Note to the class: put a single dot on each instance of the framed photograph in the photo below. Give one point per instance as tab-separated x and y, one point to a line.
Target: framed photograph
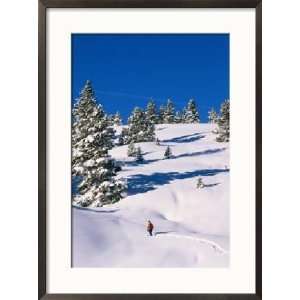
150	149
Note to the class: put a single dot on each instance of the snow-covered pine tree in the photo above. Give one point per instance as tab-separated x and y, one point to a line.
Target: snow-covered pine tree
183	113
224	122
117	120
139	155
131	150
169	113
149	132
191	114
123	137
151	113
92	167
168	153
110	119
200	183
161	114
90	121
212	116
178	117
135	125
215	130
139	128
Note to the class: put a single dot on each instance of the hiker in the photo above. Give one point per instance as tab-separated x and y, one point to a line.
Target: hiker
149	227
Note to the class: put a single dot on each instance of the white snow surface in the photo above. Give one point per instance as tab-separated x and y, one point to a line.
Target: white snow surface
191	226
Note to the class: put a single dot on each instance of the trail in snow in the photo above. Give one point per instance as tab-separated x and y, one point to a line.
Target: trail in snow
214	245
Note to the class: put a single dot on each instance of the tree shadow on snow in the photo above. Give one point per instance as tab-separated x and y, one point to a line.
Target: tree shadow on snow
145	162
161	128
141	183
148	152
198	153
211	184
163	232
205	152
101	210
185	138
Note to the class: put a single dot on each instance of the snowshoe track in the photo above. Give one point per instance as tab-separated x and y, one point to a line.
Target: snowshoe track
214	245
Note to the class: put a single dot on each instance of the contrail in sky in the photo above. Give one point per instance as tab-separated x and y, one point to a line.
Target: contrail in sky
161	100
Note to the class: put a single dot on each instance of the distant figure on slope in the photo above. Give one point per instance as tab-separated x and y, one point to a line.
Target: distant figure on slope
150	227
200	183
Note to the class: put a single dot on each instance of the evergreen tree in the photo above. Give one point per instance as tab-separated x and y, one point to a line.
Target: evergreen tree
149	132
131	151
151	113
168	153
168	114
215	130
117	119
135	125
191	114
200	183
212	116
224	122
123	137
139	155
110	119
178	117
161	114
139	128
92	167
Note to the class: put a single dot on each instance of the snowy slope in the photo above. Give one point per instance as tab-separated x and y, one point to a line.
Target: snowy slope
191	225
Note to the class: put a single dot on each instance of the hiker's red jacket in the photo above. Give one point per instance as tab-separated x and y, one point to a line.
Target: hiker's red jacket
150	226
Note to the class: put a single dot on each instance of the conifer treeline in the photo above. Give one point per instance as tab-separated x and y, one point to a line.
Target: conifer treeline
166	114
141	123
222	120
93	135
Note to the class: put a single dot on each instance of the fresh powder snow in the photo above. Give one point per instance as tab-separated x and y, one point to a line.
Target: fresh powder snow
191	225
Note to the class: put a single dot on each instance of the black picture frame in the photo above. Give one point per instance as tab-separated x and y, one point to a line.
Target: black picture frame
42	218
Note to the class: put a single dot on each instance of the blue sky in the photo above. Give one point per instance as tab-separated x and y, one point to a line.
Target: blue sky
127	70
